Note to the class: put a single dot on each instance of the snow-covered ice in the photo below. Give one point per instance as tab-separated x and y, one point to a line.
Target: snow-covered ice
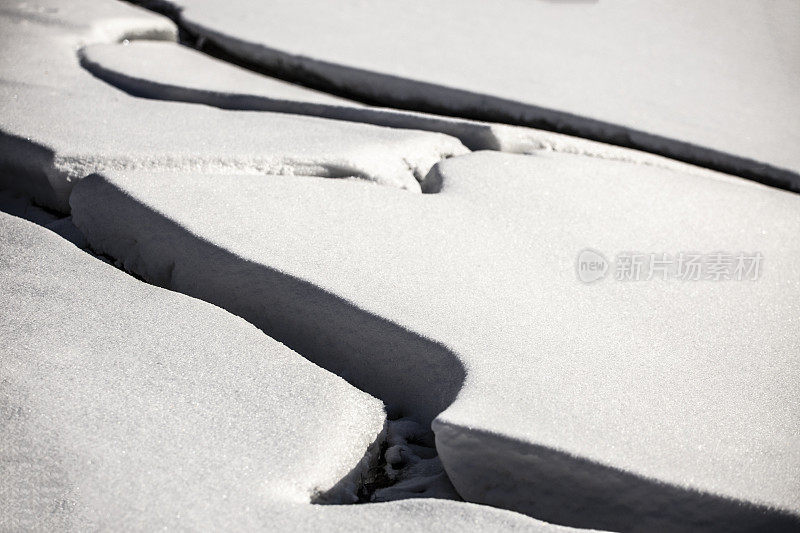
607	405
705	82
58	123
126	406
393	347
121	397
168	71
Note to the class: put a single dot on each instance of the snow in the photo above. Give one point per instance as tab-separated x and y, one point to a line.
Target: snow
412	464
168	71
146	399
654	404
680	80
284	345
173	69
55	125
125	404
22	206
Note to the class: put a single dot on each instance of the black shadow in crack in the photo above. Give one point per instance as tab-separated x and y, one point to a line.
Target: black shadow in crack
474	135
573	491
375	88
24	167
415	376
477	111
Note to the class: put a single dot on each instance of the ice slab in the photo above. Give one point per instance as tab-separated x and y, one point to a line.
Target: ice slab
127	401
125	405
169	71
655	405
58	123
674	79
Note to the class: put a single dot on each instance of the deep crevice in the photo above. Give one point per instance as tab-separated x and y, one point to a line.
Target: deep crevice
369	475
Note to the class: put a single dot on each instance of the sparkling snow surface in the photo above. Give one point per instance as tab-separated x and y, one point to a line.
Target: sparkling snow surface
707	82
121	397
128	406
308	332
168	71
58	123
575	395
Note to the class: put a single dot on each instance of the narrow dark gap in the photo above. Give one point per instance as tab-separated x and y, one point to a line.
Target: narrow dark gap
202	44
287	68
404	435
547	120
376	479
27	208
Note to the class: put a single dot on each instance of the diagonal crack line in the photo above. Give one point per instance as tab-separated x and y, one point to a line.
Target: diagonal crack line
358	84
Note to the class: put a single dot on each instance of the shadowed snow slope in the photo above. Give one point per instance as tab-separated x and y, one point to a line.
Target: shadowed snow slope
657	405
125	406
171	71
704	82
126	397
58	123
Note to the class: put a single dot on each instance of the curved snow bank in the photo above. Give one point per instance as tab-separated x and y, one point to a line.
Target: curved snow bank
185	75
45	154
690	385
679	81
413	375
182	74
59	124
128	406
169	71
123	400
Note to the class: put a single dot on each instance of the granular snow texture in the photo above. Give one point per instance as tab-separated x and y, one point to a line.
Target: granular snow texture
608	405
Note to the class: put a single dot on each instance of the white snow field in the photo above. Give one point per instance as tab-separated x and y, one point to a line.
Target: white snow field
171	71
293	329
129	407
59	123
713	83
639	406
165	70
